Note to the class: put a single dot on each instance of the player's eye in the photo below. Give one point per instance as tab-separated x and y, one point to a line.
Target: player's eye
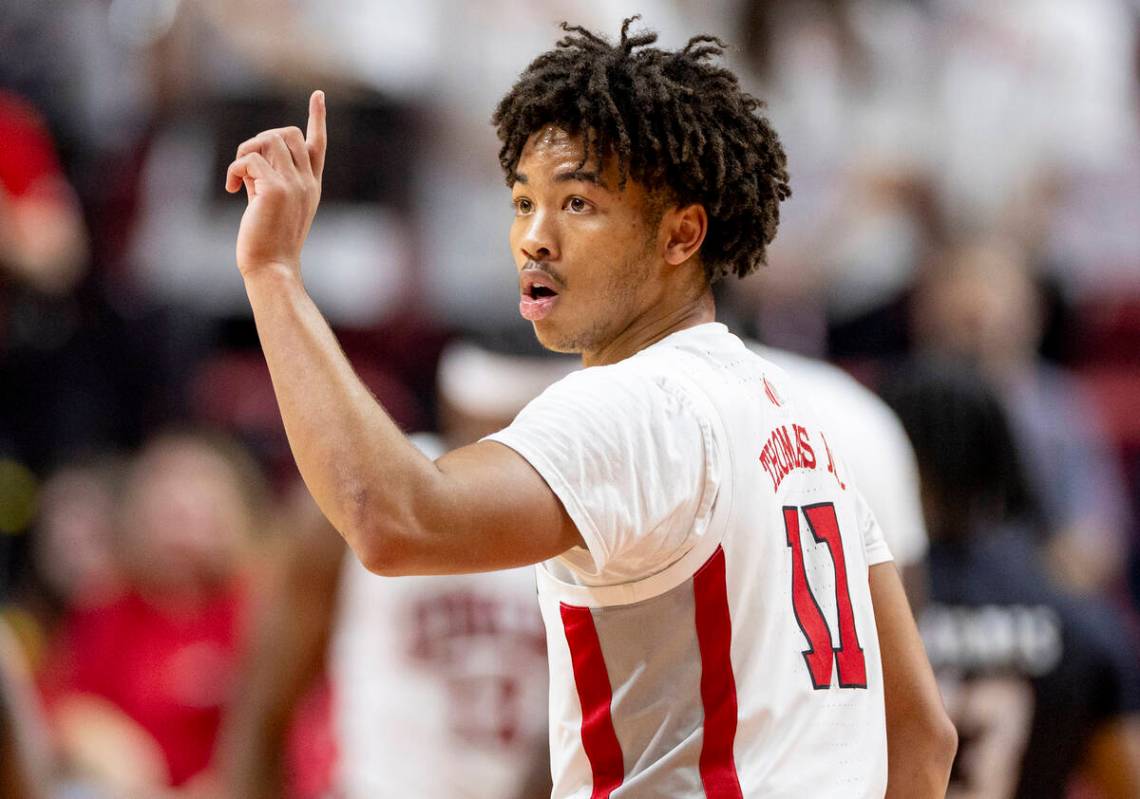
522	205
577	205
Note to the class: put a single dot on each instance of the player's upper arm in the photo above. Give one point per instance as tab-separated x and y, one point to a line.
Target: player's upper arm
482	507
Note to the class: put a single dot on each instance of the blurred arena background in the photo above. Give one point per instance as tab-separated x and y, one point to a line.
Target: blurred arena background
966	186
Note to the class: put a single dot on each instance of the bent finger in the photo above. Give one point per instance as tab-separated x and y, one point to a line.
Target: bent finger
295	141
258	143
251	165
316	136
276	151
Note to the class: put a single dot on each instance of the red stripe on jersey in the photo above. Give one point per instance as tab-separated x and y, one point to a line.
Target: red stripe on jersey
595	694
718	686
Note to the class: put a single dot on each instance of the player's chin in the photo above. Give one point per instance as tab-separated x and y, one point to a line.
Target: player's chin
551	336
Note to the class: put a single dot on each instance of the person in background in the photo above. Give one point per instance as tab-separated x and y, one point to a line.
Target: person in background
978	303
75	536
43	257
1043	686
438	683
136	687
74	565
43	242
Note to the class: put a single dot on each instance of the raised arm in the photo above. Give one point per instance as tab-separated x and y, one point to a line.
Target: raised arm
481	507
921	740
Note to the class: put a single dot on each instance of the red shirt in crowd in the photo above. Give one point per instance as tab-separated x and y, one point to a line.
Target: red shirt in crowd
169	671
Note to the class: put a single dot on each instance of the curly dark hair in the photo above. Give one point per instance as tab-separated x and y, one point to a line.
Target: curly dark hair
674	120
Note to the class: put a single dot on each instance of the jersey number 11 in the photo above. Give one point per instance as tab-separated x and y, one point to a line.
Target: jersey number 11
821	652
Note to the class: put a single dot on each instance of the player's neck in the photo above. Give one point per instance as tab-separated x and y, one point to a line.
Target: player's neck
652	326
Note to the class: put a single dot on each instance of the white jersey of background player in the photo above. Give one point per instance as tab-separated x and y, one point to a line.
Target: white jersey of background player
719	619
439	683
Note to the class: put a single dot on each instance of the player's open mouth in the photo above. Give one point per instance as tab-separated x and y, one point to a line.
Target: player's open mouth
538	295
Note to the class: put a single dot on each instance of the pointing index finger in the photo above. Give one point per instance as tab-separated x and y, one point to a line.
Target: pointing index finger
316	136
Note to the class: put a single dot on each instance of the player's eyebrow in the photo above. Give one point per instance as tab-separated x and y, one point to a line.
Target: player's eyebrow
583	175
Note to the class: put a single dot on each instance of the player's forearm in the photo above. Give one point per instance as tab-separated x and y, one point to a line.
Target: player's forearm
360	468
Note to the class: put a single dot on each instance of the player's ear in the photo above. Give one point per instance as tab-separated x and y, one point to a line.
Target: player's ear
683	229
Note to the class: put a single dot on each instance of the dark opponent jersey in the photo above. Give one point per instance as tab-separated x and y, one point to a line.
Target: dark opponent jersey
1028	672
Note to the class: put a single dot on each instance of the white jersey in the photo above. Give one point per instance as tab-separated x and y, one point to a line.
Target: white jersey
715	638
439	683
873	442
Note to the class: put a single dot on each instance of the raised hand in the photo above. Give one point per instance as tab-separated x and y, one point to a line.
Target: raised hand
281	171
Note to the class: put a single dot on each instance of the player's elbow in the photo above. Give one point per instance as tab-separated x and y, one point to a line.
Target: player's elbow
376	542
384	528
939	745
944	741
379	563
922	745
378	551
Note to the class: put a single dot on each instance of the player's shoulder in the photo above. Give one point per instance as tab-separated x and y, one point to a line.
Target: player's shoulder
633	387
651	386
667	362
704	355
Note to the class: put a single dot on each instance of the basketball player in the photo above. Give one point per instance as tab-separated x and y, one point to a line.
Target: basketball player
722	616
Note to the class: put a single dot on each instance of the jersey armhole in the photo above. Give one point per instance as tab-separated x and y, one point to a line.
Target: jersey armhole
719	467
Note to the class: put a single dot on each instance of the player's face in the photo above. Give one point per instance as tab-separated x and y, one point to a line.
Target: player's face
585	251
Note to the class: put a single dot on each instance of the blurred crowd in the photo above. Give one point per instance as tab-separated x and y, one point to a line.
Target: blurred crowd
963	237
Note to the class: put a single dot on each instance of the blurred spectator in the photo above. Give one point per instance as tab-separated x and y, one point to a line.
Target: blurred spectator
906	122
438	682
42	238
75	551
73	560
137	685
1092	244
979	303
1042	686
1029	92
846	83
43	254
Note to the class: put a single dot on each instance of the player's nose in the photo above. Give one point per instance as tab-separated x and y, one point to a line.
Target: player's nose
539	241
